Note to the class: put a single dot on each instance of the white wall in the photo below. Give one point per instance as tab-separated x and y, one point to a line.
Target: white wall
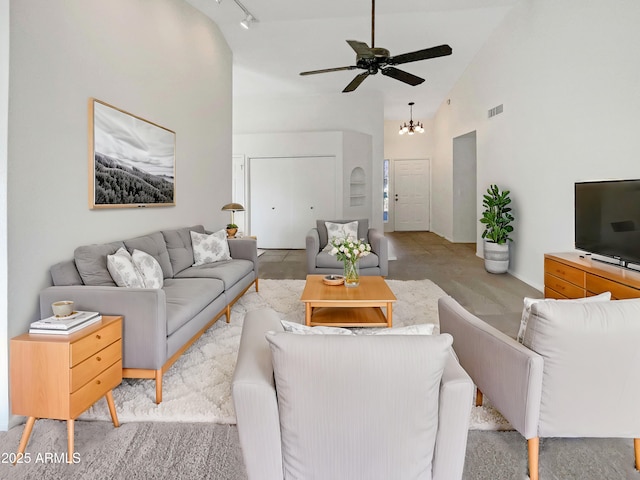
161	60
357	153
566	76
321	113
4	120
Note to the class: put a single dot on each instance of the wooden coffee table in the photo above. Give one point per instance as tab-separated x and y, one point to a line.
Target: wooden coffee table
339	306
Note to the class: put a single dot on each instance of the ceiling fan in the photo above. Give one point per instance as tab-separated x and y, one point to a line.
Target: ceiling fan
375	60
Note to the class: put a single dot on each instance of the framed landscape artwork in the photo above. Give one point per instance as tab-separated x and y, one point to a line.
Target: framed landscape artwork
132	162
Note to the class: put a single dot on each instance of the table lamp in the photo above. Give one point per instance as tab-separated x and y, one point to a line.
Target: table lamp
233	207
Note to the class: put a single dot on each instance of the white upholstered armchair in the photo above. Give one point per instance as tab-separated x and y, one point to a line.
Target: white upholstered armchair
321	262
345	407
575	376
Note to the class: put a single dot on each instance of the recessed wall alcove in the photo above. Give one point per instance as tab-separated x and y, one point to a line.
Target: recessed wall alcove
357	187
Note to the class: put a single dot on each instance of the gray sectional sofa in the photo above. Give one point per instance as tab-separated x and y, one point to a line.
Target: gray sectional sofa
159	324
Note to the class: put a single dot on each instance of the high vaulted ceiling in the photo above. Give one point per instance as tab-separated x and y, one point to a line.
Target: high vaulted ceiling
292	36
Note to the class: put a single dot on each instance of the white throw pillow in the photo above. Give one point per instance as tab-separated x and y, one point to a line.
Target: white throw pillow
123	271
340	231
149	268
419	329
298	328
526	312
209	248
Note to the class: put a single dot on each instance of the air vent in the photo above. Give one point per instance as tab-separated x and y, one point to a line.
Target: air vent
496	110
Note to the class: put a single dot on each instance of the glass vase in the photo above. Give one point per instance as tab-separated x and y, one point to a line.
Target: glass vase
351	274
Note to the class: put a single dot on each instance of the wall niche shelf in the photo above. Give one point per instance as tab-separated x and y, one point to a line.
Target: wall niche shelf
357	187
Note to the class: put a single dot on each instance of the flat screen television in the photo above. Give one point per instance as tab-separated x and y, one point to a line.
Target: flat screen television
607	219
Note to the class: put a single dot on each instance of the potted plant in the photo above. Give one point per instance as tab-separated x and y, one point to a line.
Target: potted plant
232	229
496	219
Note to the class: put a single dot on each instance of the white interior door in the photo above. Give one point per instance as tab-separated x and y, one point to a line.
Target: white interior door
313	193
270	210
412	195
238	192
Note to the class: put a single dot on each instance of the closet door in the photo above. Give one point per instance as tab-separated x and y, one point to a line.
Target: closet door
314	190
270	184
287	196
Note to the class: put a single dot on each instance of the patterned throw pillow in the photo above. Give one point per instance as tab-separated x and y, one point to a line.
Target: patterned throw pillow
339	231
149	268
209	248
123	271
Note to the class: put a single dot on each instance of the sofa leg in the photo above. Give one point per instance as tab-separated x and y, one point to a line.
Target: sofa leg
228	313
256	284
159	386
533	445
636	448
478	397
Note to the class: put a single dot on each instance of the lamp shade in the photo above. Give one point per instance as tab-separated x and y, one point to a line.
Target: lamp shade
233	207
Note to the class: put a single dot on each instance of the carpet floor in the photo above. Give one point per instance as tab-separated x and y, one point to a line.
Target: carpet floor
208	450
197	388
201	451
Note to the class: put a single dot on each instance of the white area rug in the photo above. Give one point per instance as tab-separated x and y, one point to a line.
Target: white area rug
197	388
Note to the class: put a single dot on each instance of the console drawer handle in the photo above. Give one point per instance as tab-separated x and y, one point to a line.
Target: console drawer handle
98	358
97	382
98	337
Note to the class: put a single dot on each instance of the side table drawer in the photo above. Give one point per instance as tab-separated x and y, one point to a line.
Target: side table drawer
563	287
96	388
596	285
570	274
550	293
86	370
90	344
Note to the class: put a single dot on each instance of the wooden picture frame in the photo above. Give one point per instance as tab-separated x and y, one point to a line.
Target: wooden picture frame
132	161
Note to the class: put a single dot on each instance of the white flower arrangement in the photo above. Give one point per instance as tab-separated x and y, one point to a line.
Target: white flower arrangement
349	249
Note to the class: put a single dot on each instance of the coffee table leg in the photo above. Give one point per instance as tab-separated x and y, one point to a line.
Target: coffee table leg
389	315
307	314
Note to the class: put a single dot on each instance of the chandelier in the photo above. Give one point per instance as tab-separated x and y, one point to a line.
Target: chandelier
411	128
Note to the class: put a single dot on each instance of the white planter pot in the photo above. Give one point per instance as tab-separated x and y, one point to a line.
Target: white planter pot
496	257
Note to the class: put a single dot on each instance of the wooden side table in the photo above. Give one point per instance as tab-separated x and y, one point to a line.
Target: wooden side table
60	376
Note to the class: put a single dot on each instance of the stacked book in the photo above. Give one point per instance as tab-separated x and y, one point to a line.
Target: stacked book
65	325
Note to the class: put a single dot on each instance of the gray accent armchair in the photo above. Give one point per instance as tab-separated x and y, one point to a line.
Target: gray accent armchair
314	421
323	263
574	376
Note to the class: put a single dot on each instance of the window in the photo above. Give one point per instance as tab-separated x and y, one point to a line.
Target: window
385	190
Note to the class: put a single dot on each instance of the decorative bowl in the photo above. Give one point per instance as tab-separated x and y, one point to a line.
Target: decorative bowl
333	279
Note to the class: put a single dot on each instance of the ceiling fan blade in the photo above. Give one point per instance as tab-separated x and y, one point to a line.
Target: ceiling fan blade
325	70
402	76
355	83
361	48
433	52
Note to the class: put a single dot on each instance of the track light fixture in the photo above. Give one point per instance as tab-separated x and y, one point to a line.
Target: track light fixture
246	23
249	18
411	128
